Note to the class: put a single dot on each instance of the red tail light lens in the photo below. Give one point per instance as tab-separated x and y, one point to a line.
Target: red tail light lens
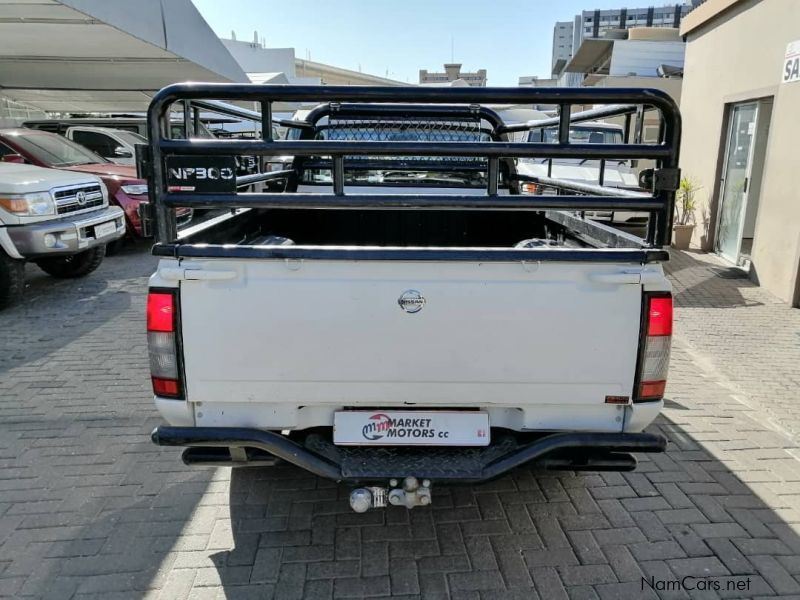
162	344
659	316
652	389
655	344
160	311
166	387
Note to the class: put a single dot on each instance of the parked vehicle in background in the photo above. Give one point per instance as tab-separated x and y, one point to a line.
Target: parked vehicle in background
45	149
115	145
132	124
616	173
246	165
59	220
402	315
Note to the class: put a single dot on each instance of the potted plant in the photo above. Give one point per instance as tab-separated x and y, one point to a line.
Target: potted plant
683	227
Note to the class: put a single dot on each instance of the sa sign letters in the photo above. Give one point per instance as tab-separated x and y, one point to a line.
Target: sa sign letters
791	63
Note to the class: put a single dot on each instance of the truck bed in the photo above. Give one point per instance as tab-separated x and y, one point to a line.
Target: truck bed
348	328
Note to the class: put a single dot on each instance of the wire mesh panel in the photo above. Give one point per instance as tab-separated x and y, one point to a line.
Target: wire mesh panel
408	129
401	129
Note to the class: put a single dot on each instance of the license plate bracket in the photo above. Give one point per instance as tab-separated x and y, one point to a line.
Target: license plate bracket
410	428
104	229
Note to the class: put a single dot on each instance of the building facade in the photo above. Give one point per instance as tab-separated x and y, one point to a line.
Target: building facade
596	22
593	24
740	132
452	72
562	45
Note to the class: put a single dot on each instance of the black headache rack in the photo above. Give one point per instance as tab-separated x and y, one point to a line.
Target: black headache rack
173	166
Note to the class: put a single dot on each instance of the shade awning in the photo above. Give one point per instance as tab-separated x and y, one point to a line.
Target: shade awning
590	56
96	55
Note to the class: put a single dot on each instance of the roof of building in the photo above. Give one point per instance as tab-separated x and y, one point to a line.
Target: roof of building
365	78
705	12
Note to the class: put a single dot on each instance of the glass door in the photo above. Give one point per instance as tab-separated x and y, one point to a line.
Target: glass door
735	179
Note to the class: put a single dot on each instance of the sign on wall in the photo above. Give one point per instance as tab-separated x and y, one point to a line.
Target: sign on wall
791	62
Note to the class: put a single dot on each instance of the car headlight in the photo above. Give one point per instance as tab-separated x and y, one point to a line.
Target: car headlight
135	189
29	205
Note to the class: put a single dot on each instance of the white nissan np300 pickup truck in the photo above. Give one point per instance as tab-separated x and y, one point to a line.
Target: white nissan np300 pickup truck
402	314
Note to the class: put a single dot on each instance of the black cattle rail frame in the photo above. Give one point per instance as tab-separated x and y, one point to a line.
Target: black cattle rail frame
656	196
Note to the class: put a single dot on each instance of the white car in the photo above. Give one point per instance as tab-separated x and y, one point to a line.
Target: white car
60	220
616	173
116	145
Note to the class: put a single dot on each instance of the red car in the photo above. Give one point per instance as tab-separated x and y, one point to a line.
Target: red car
45	149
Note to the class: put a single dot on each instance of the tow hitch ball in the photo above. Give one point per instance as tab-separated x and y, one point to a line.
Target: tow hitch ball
411	494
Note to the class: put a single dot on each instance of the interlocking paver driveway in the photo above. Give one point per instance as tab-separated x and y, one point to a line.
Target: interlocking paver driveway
89	508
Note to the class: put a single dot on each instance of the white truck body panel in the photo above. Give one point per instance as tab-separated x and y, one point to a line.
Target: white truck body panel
538	345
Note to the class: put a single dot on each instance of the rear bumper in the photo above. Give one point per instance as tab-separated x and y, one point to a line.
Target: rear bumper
571	451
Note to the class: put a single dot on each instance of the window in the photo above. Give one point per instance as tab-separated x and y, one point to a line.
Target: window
650	134
4	150
56	151
99	143
579	135
131	138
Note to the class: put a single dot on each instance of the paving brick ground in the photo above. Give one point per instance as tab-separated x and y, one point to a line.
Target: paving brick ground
89	508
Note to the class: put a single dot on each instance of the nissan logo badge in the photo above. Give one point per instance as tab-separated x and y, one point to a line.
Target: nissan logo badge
411	301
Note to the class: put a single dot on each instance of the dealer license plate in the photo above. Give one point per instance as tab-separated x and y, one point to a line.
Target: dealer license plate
104	229
410	428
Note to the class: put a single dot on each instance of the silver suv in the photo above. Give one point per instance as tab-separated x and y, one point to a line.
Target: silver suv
60	220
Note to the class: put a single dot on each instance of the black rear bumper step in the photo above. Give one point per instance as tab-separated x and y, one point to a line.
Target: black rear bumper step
572	451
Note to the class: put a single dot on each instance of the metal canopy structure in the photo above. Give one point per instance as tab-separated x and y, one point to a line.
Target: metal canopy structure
592	53
100	55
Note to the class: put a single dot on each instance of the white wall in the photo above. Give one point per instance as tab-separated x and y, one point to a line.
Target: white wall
253	58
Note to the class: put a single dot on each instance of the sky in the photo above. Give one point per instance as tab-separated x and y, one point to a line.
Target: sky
397	38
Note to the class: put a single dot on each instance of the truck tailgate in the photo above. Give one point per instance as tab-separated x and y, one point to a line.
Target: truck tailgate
322	332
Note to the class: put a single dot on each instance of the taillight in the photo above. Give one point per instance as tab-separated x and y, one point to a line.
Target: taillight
530	188
162	343
655	347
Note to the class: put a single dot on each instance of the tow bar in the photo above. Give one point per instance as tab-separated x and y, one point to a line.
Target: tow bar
411	494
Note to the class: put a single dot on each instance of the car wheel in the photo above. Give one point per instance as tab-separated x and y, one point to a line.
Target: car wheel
77	265
12	280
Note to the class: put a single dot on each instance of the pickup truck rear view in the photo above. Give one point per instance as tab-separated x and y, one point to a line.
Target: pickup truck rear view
402	313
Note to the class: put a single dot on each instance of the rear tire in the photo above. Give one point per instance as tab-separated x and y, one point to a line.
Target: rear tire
77	265
12	280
